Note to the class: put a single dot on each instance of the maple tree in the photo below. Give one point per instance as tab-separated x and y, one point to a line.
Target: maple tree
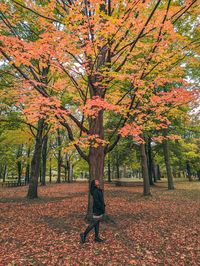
80	63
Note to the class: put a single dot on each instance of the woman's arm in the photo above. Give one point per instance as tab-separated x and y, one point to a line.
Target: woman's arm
101	199
97	199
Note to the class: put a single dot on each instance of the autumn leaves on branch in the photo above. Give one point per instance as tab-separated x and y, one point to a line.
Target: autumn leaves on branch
79	63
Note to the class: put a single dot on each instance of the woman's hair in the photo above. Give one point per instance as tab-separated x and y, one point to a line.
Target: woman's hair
92	186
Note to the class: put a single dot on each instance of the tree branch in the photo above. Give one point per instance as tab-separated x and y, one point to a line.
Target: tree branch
33	11
71	137
138	37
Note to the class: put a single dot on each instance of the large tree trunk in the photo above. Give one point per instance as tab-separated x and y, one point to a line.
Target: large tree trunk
96	171
145	174
44	160
167	162
96	157
35	163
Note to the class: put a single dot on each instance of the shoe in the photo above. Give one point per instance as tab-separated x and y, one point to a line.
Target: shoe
82	236
97	239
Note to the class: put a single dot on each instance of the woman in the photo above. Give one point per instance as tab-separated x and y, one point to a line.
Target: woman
98	211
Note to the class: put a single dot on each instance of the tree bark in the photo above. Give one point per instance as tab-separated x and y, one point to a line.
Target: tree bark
69	169
66	169
189	175
158	172
19	163
145	175
117	167
150	163
44	160
154	172
109	170
96	157
59	162
50	170
71	172
40	175
198	175
35	163
5	172
167	162
27	174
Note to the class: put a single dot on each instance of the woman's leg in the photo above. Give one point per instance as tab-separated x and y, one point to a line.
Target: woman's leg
93	224
96	228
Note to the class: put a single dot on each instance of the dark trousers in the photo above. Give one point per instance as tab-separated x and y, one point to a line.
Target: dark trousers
94	224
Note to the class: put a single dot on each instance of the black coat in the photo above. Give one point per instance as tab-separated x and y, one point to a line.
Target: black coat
98	201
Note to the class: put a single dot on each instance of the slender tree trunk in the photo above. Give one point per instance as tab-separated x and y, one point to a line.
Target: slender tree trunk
19	163
27	174
1	171
145	174
154	172
109	170
5	172
68	169
19	171
70	175
50	170
35	163
44	160
158	172
65	166
189	175
117	167
124	171
59	162
167	162
40	175
149	160
65	173
198	175
153	178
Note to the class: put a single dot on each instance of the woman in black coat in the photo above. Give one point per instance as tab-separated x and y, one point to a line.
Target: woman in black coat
98	211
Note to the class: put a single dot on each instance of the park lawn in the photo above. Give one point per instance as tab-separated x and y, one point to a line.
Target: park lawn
163	229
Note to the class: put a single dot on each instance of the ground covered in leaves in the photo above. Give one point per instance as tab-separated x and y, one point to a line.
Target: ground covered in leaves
160	230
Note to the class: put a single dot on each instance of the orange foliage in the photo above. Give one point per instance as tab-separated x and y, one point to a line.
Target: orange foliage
98	58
